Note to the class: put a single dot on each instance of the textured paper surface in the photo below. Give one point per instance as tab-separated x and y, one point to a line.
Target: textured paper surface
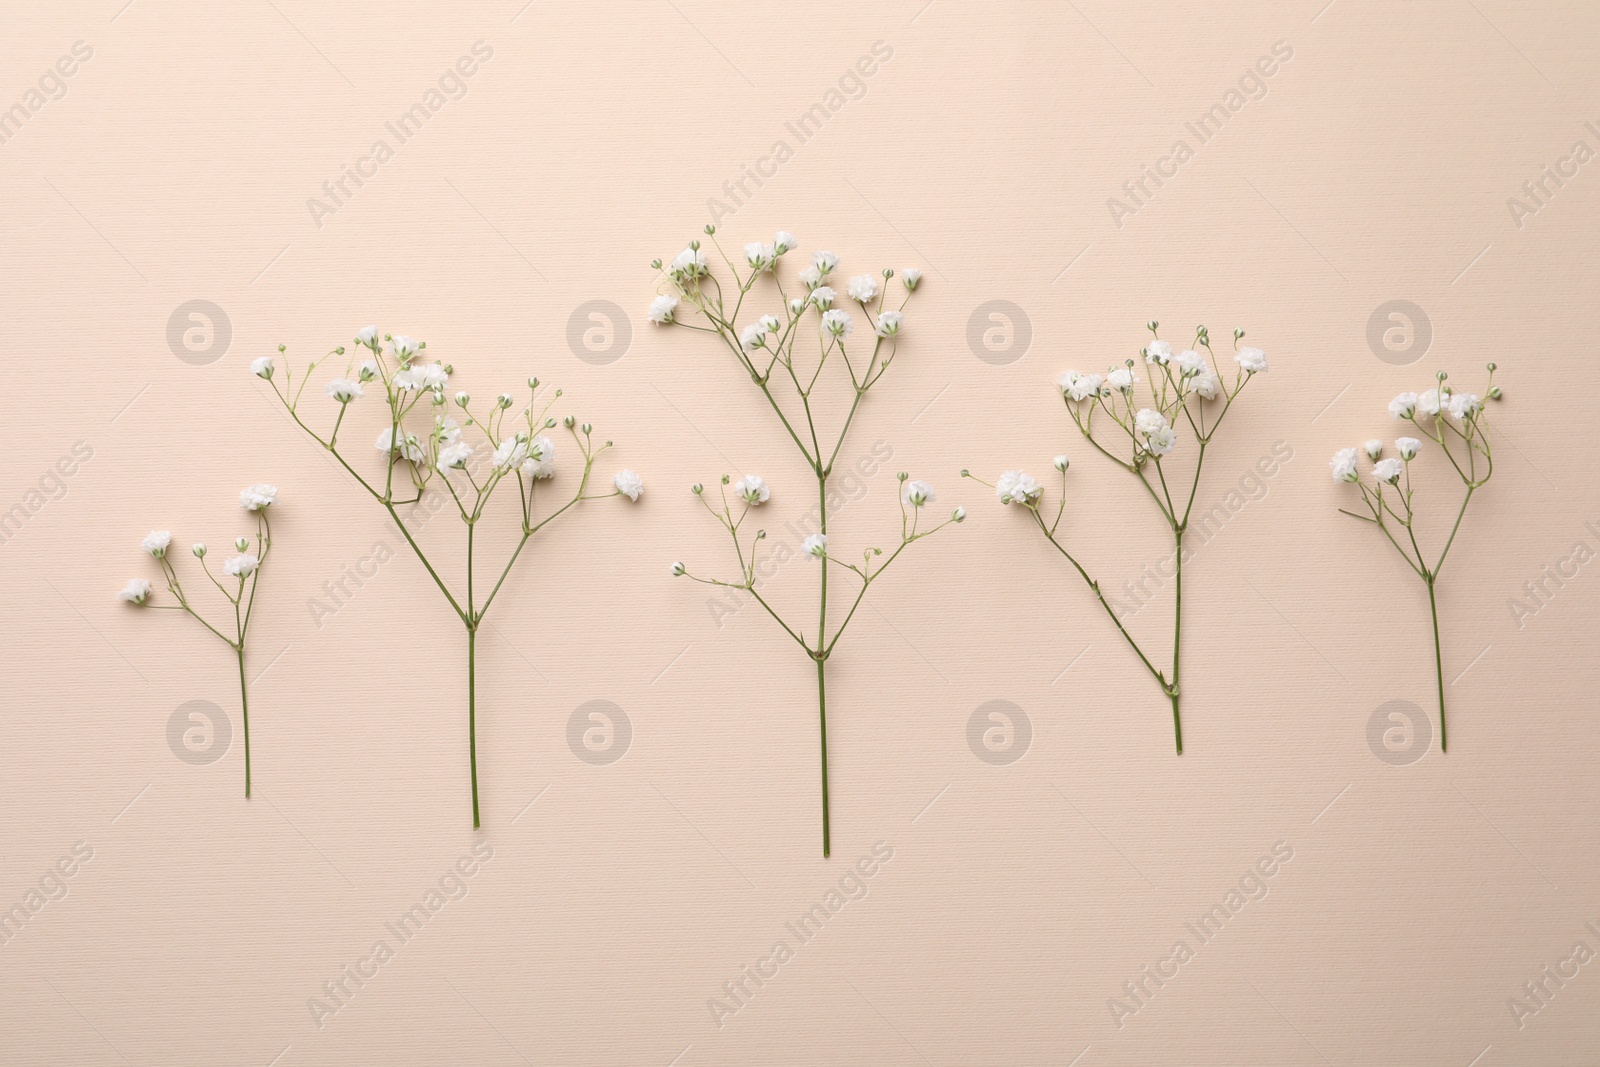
1374	165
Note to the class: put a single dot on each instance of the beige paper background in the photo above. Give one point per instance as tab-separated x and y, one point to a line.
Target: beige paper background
1019	898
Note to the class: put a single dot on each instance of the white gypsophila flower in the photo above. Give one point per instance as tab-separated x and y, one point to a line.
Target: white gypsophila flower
815	546
824	262
917	493
262	367
1388	470
760	256
508	453
822	297
628	483
1253	360
912	277
836	323
240	566
137	591
1373	448
1206	384
1061	463
1431	402
889	324
862	288
769	323
678	570
156	541
1190	362
367	370
1148	420
1403	406
412	447
752	336
1158	352
199	549
1121	379
784	241
541	461
1343	465
810	277
1016	487
796	306
690	263
1464	405
1161	441
343	390
1408	447
662	309
453	456
1082	386
403	347
421	376
367	335
258	496
752	489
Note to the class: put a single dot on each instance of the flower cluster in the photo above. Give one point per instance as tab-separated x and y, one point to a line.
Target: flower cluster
244	566
434	441
810	325
1454	423
1139	429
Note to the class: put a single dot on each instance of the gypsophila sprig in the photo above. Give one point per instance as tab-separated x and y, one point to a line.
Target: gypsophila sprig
429	445
242	572
1148	416
1455	425
808	326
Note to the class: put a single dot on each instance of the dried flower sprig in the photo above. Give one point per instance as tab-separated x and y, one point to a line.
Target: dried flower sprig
518	451
1185	386
765	349
1453	421
245	567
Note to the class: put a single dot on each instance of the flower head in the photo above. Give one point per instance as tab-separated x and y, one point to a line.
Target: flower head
343	390
824	262
402	346
836	323
1161	440
1373	448
156	541
1431	402
810	277
752	489
815	546
889	324
760	256
541	461
912	277
240	566
628	483
1403	406
1253	360
367	335
662	309
262	367
1149	421
137	591
1206	384
421	376
822	296
784	242
1190	362
412	447
752	336
1408	448
1080	386
453	456
1388	470
917	493
862	288
1343	465
1016	487
1158	353
1121	379
508	453
1464	405
258	496
690	263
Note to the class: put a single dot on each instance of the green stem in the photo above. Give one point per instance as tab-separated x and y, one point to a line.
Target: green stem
472	717
1177	634
244	703
821	658
822	720
1438	663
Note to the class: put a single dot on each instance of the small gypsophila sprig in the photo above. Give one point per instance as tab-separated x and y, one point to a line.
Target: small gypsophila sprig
240	574
432	440
805	325
1138	414
1455	424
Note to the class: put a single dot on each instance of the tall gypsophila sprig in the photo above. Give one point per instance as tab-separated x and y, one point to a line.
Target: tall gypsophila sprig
779	348
1455	423
429	449
244	570
1188	393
